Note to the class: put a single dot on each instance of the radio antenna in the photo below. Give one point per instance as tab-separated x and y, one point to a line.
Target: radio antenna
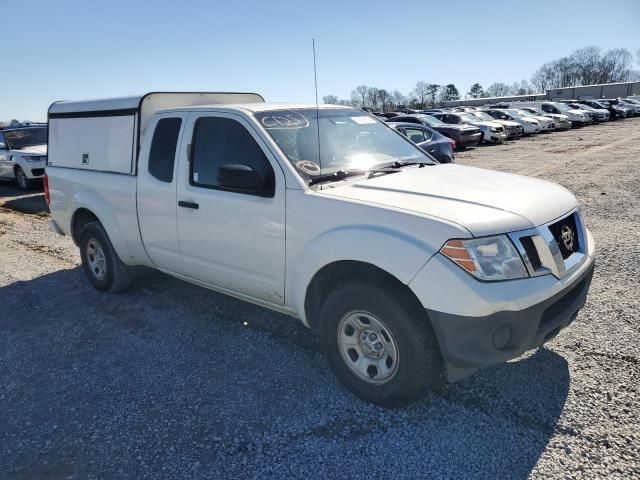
315	81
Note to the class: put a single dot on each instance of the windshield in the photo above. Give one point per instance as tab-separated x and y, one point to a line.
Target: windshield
525	113
580	106
430	121
467	117
26	137
349	140
515	113
483	116
562	107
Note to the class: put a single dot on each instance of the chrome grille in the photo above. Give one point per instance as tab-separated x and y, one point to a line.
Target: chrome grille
556	247
565	234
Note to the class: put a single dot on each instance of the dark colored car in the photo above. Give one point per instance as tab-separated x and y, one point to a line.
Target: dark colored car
628	109
614	111
434	143
390	114
463	135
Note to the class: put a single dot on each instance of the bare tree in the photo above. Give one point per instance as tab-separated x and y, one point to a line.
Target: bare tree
384	98
498	89
585	66
372	97
617	63
332	99
359	95
398	99
420	93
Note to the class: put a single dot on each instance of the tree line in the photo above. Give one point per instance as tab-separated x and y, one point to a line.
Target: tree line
586	66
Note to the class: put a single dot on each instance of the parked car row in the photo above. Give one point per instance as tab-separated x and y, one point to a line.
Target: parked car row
467	126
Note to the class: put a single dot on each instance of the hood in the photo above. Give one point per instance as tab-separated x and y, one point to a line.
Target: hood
557	116
582	113
33	150
485	202
453	127
507	123
487	124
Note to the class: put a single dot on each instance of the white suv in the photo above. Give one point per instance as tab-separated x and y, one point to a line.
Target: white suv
23	154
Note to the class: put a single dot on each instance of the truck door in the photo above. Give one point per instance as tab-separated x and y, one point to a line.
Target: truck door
156	193
231	236
6	169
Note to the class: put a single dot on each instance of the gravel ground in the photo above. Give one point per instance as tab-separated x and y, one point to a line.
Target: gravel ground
172	381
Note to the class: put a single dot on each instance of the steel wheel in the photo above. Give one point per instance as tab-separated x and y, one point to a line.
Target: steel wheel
367	347
96	259
21	178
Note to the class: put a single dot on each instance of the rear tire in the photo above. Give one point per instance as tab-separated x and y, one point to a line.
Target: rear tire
21	179
398	363
100	262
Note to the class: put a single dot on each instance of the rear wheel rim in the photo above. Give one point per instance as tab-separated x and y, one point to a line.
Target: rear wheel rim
96	260
368	347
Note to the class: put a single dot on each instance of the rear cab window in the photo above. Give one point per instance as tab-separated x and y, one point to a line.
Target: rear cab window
162	154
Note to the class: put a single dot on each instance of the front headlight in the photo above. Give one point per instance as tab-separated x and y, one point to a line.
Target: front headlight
488	258
32	159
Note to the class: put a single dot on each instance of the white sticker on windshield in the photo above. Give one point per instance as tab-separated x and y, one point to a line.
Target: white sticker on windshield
195	177
362	120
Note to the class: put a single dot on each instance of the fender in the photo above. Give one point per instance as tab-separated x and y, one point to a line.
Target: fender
381	249
126	242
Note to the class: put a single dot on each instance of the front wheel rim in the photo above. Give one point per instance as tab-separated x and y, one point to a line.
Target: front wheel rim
96	260
22	179
368	347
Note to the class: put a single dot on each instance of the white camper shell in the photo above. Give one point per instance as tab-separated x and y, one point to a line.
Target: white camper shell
105	135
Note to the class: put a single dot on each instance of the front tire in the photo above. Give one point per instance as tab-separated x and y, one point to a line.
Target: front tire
22	180
379	343
100	262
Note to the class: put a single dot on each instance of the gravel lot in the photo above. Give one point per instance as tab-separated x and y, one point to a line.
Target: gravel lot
167	381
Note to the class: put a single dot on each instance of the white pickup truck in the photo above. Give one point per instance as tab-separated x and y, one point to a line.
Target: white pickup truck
410	271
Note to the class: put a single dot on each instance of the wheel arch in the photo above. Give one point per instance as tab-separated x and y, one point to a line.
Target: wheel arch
79	219
343	271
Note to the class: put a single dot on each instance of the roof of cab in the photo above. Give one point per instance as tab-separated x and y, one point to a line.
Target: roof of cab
257	107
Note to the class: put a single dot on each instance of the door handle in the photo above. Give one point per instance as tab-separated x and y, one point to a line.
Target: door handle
184	204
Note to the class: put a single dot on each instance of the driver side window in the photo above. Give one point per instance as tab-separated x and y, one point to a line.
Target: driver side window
223	142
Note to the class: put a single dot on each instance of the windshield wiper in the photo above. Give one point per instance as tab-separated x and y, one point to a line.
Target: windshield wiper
335	176
398	164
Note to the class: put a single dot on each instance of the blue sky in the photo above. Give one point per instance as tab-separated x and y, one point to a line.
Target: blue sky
68	49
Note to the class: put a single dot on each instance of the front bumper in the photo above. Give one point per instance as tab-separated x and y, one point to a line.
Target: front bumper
33	170
482	323
468	140
514	132
469	343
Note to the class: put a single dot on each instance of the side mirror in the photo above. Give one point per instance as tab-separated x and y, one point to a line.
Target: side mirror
3	146
243	178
